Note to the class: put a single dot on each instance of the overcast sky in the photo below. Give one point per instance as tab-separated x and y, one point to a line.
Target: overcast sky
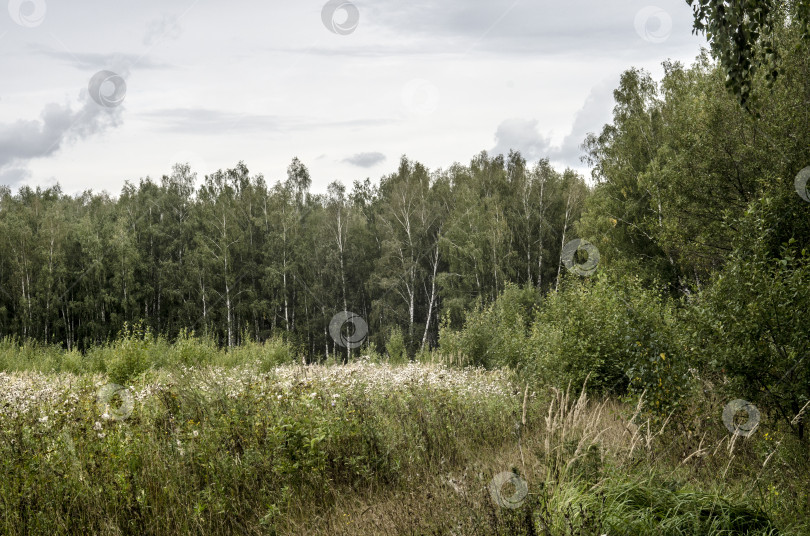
346	87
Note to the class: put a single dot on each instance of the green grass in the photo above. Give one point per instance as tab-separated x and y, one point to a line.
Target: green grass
136	351
219	442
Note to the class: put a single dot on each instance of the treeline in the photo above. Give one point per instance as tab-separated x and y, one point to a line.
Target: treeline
236	258
701	214
691	190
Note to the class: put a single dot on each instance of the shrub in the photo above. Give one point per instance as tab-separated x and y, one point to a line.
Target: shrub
617	334
189	350
132	353
752	321
495	335
29	355
396	346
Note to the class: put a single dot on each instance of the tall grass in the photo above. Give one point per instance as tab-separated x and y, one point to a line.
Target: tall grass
372	449
136	351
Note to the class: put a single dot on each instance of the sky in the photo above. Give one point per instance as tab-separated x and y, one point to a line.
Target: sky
95	93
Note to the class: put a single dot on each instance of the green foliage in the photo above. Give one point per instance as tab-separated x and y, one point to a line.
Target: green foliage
649	508
395	346
190	350
32	355
133	353
754	316
506	225
609	330
681	162
495	335
742	36
137	350
615	333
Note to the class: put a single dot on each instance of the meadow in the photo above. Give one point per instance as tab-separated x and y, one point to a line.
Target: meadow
204	441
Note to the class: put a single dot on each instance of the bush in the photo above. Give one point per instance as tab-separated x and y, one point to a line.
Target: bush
752	322
616	334
135	351
611	331
190	351
396	346
493	336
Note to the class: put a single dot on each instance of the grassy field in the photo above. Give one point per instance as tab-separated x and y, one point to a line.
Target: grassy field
248	447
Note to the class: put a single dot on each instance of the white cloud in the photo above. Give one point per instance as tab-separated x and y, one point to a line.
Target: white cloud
264	81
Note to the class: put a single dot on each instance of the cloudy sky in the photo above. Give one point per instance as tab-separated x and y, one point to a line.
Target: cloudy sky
94	93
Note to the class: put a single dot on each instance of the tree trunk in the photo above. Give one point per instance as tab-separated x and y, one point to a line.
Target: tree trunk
432	293
562	244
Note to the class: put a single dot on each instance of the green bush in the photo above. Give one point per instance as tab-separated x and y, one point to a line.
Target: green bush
395	346
752	323
190	351
609	330
496	335
274	352
616	334
134	352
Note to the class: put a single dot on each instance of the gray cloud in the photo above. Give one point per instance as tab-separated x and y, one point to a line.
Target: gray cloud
365	160
24	140
419	48
13	176
521	135
207	121
203	120
581	26
594	114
